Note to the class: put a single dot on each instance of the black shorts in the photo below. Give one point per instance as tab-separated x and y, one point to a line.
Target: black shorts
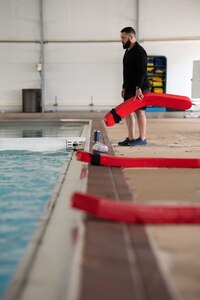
132	94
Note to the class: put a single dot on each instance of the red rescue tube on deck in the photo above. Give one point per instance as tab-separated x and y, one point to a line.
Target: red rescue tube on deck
129	162
150	99
136	213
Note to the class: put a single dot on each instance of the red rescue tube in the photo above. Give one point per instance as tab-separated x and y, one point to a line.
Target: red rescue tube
150	99
84	156
136	213
145	162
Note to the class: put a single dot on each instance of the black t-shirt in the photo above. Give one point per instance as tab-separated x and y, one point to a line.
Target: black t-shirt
135	70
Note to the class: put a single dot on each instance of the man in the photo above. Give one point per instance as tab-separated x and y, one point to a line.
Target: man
135	82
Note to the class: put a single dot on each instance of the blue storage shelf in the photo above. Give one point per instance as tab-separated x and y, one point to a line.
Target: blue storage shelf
155	109
157	71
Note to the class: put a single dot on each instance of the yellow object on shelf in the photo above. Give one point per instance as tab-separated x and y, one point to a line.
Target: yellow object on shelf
159	71
157	79
157	83
158	90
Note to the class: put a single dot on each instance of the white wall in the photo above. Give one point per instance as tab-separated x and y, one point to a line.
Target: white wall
17	71
19	19
169	19
87	19
167	28
83	56
75	72
91	68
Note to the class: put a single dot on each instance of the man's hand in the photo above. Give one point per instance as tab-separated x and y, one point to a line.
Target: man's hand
138	94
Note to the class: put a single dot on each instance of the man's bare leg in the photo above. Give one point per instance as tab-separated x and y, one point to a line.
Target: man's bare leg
130	122
142	123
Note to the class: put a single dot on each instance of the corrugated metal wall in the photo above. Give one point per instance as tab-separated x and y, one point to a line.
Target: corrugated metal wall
82	50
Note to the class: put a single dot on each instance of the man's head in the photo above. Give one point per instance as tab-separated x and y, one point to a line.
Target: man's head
128	37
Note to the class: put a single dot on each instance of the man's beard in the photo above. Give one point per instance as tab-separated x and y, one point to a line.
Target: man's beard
127	44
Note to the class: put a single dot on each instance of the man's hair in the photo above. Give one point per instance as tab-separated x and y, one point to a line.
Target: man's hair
128	30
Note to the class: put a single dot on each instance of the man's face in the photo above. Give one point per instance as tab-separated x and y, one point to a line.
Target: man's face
126	40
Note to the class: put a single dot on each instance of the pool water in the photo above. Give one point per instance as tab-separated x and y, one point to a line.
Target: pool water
27	129
26	183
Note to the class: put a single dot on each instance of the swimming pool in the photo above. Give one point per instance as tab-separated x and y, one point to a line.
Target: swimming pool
26	183
37	128
27	180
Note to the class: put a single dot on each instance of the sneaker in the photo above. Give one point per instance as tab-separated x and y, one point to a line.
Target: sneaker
126	142
138	142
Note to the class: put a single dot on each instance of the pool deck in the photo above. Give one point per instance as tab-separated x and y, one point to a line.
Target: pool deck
136	262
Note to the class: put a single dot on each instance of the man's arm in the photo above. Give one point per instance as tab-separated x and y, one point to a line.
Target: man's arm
141	68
